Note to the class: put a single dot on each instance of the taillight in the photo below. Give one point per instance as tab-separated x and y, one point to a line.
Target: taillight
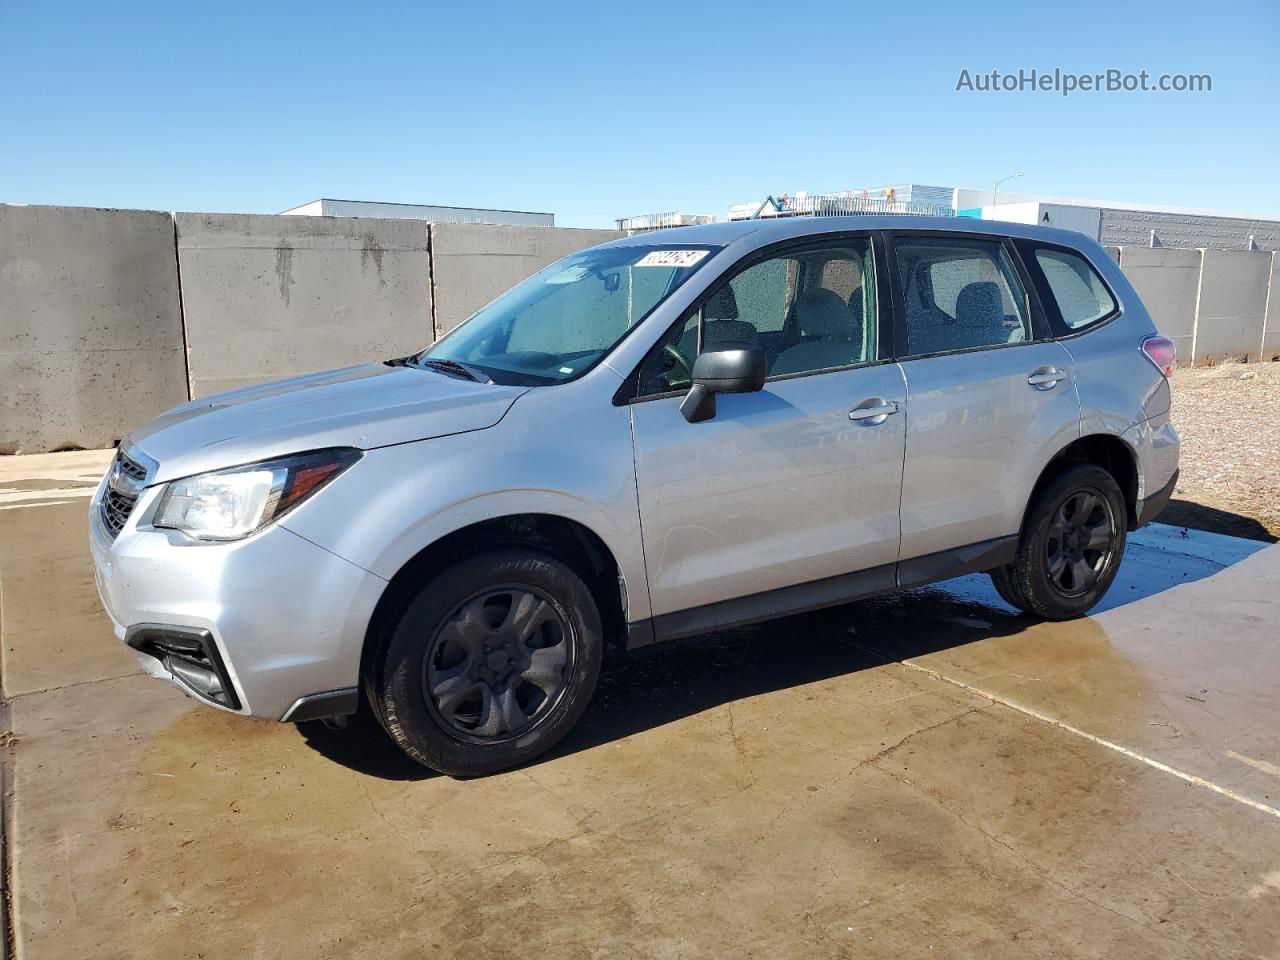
1161	352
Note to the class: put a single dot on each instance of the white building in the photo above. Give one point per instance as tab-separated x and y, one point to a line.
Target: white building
1116	223
1113	223
419	211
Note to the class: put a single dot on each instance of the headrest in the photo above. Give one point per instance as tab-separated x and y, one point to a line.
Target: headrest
823	313
980	304
723	305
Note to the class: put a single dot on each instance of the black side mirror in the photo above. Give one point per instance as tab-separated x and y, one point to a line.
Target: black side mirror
725	368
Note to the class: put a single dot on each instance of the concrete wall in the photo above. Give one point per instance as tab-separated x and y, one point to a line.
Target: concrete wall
90	330
273	296
1271	329
108	317
1231	305
1167	281
473	263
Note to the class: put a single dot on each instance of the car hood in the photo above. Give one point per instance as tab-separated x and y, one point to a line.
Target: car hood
365	407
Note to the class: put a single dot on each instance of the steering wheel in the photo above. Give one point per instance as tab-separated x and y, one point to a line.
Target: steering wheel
679	360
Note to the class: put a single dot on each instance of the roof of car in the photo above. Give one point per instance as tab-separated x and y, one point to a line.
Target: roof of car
783	228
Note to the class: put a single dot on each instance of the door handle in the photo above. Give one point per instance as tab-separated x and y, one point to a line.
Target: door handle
1046	378
873	411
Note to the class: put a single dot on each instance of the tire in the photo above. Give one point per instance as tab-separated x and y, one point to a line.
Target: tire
1071	546
489	664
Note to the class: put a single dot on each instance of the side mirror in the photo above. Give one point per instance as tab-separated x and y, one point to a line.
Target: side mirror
725	368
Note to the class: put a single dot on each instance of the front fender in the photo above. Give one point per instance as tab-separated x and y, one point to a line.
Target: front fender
399	500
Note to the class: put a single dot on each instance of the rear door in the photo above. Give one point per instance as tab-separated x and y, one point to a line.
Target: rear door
990	398
782	487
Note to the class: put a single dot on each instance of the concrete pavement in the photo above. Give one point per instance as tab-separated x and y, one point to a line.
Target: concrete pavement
923	775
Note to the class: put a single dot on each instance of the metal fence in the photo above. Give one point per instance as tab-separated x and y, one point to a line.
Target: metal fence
660	221
833	205
802	205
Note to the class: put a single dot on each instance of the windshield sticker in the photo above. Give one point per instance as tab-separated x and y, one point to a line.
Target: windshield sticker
671	258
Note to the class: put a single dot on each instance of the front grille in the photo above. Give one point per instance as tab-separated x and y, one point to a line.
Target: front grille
125	481
130	469
116	508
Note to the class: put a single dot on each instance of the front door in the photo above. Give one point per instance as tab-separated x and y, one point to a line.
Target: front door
789	486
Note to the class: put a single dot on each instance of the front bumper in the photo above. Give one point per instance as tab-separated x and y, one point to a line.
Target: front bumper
280	622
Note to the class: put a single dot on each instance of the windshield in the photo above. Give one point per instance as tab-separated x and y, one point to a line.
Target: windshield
558	323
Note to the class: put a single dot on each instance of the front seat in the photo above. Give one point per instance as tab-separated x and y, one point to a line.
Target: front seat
720	324
980	315
836	339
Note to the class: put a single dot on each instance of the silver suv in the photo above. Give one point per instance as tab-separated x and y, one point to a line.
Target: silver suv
667	434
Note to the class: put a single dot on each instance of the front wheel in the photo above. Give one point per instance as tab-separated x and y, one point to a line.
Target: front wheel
489	665
1070	548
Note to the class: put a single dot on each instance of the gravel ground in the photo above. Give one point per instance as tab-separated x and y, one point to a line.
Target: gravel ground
1229	420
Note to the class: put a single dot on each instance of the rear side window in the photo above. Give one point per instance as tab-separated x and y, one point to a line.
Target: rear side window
959	294
1081	295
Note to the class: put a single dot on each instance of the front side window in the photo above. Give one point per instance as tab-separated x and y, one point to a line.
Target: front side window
559	322
808	310
959	293
1081	295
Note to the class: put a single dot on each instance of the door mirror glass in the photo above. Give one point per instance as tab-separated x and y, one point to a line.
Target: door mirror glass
724	368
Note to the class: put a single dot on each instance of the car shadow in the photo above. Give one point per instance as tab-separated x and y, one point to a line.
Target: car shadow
363	746
1198	516
659	685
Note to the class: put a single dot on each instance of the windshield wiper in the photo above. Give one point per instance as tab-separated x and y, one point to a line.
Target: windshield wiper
457	369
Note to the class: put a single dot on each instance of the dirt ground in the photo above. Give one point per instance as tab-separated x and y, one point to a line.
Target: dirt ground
1229	420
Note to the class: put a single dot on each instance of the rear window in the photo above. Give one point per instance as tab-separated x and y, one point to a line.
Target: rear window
1081	295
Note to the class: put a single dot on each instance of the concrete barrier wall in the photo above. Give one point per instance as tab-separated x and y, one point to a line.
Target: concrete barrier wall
1232	305
1271	328
473	263
108	317
90	329
266	297
1168	281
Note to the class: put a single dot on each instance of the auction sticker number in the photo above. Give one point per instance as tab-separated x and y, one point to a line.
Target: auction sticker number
671	258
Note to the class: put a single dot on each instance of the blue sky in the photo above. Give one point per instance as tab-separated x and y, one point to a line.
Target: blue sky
600	110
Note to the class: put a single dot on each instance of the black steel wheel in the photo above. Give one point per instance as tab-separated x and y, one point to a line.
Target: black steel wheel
1071	545
1080	542
488	664
499	663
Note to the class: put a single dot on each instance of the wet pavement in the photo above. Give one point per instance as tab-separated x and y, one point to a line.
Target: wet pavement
921	775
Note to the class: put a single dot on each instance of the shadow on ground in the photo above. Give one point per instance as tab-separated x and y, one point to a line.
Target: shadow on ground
1198	516
659	685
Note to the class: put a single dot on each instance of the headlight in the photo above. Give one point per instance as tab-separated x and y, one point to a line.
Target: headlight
231	504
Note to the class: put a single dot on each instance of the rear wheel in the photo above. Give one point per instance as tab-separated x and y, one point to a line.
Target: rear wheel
1071	546
490	663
